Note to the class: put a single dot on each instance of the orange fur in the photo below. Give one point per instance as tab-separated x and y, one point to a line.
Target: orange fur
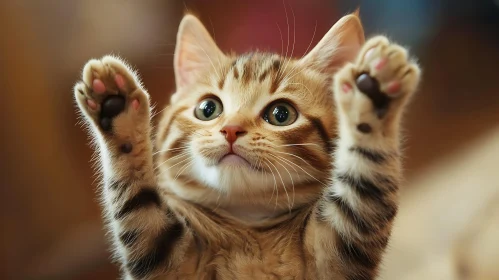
280	209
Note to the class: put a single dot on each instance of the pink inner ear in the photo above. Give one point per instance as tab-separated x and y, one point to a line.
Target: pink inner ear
340	45
189	67
194	52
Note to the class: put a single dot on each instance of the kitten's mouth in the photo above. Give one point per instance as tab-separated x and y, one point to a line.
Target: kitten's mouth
233	159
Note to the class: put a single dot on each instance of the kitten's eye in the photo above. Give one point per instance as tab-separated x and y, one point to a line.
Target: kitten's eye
280	114
208	109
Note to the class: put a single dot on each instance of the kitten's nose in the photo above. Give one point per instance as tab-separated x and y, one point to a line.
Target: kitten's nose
231	132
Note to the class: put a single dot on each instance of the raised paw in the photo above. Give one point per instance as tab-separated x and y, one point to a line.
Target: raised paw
377	86
112	100
108	90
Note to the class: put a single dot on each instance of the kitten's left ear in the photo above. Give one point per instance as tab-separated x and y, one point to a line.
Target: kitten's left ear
195	51
341	44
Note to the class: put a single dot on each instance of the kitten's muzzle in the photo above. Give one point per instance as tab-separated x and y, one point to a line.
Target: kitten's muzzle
231	132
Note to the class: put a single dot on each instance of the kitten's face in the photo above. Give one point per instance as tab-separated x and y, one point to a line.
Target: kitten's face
256	123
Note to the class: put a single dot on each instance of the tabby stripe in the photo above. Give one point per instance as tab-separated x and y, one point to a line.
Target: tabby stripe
146	197
361	224
362	186
159	253
236	73
276	77
373	156
114	185
355	254
358	275
323	133
387	182
221	83
263	75
128	238
166	131
303	228
365	224
120	187
247	72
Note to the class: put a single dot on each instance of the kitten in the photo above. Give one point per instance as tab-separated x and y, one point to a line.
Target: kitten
250	179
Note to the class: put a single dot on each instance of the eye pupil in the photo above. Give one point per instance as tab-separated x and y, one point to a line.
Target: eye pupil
281	113
208	108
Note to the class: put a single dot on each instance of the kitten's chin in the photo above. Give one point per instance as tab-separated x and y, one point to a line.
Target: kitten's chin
231	174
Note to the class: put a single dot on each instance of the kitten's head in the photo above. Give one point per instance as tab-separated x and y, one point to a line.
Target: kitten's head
256	124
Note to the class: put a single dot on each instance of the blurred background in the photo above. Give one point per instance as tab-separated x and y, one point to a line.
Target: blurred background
51	228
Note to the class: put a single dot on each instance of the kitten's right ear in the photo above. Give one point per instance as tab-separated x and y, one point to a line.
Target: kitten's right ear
195	51
341	44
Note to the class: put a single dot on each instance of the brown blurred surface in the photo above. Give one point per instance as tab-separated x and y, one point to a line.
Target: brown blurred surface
49	207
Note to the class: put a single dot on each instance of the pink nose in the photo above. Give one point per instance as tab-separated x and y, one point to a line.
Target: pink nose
231	132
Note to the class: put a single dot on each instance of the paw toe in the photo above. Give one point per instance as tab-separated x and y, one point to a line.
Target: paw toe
120	82
98	86
91	104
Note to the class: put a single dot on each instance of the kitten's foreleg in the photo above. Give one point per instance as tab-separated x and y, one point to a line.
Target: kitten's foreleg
361	202
116	108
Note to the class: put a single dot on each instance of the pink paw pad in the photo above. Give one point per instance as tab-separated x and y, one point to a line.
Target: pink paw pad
369	53
135	104
91	104
120	82
380	63
346	87
393	87
98	86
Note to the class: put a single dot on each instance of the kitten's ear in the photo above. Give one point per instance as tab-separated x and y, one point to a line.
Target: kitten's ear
195	51
341	44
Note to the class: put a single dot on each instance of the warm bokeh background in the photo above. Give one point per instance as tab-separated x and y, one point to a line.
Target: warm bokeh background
49	214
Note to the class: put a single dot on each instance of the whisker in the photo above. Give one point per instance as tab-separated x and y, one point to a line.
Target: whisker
324	184
171	149
303	86
282	41
287	23
174	165
157	113
294	41
293	155
300	144
275	187
175	157
282	181
296	171
298	70
306	51
182	169
311	41
281	69
292	184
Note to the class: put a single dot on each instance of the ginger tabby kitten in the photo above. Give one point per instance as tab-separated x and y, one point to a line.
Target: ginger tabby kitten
263	166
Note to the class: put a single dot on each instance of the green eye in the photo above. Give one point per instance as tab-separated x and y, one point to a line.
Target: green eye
208	109
280	114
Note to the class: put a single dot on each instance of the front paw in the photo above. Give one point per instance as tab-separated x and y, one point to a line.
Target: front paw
377	87
108	90
112	100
